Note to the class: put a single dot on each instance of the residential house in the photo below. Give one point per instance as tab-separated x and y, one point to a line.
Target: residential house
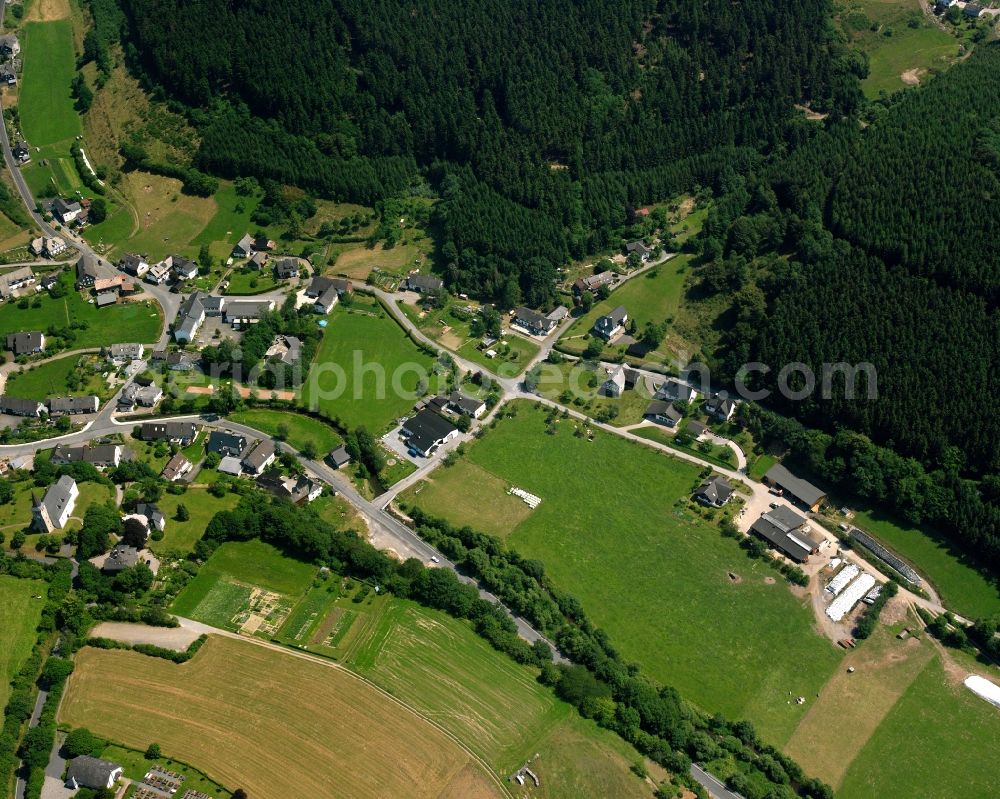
558	313
190	317
285	268
87	271
36	247
91	772
10	47
338	457
180	361
49	280
425	431
244	247
8	74
318	286
247	313
182	433
325	302
118	283
632	377
260	457
231	465
56	506
264	243
66	211
26	343
801	491
615	384
639	247
101	456
122	556
134	264
533	322
663	413
472	407
695	429
284	349
158	273
226	444
133	394
295	489
788	532
21	151
593	282
176	468
715	492
70	406
214	306
15	406
106	299
15	279
183	269
424	284
257	261
611	324
972	11
673	390
123	353
721	408
54	246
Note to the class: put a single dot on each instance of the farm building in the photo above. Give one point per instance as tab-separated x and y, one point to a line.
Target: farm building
801	491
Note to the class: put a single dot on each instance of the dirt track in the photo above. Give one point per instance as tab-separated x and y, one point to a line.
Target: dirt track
176	638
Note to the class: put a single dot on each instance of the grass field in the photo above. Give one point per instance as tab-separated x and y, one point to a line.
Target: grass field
136	766
898	39
202	506
230	221
247	563
19	615
50	379
585	382
939	741
271	722
717	453
963	588
252	281
45	102
366	371
610	530
134	321
438	665
300	428
885	668
651	297
168	219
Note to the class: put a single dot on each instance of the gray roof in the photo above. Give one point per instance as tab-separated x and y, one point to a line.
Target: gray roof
91	772
259	455
20	407
339	456
86	267
532	318
424	283
246	244
426	428
286	266
20	343
99	455
328	298
19	275
155	431
58	496
106	299
247	309
673	389
122	556
231	464
225	443
320	285
802	490
126	350
87	404
467	405
785	518
662	408
716	490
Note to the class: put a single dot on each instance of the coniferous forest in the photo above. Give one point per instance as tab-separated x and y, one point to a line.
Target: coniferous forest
869	236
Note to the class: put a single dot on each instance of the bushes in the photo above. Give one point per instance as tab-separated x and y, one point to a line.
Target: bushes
866	624
150	649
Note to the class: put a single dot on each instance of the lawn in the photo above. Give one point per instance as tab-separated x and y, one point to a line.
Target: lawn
45	102
19	615
614	530
584	382
253	281
17	514
201	505
882	29
251	563
270	722
716	454
441	667
963	588
300	428
134	321
939	741
50	380
760	466
653	296
136	766
366	371
230	222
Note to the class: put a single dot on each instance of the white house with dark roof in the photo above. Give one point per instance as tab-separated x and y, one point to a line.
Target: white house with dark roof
663	412
27	343
611	324
424	284
715	492
673	390
535	323
14	279
55	508
92	772
66	211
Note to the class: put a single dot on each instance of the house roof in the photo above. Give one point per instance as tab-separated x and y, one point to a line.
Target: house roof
638	246
618	315
673	389
465	404
88	404
176	466
765	528
801	489
695	428
259	455
287	266
339	456
20	407
24	342
91	772
58	496
106	299
126	350
122	556
86	267
248	310
424	282
427	428
221	441
533	318
170	430
101	454
231	464
328	297
716	490
18	275
246	244
594	281
662	408
720	406
785	518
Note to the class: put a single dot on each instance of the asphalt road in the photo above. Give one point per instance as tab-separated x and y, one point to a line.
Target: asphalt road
711	784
